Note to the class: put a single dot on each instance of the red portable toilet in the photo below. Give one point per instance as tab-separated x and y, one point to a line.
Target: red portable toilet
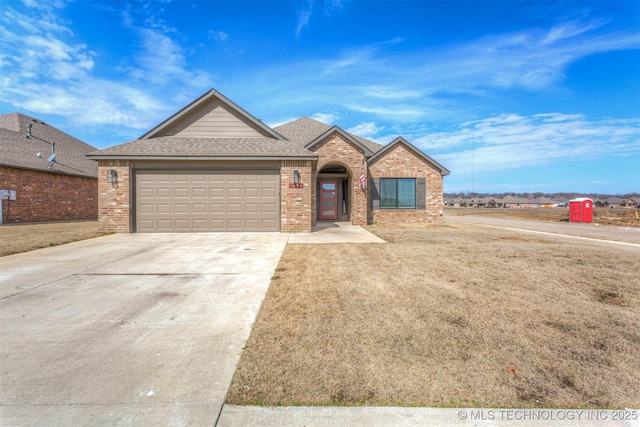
581	210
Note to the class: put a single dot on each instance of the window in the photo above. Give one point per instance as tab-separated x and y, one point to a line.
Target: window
397	193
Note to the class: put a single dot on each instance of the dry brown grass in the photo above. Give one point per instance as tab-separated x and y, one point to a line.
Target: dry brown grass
22	238
445	316
603	216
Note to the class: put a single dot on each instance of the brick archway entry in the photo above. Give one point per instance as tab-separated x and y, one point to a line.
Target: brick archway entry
333	193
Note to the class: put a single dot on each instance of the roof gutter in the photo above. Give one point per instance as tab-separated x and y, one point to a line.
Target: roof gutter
183	158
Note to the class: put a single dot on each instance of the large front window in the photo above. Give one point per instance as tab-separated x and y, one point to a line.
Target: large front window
397	193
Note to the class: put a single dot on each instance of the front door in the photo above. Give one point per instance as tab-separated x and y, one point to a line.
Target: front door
328	200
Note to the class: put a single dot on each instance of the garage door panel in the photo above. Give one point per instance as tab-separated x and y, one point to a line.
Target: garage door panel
173	201
269	192
146	192
251	192
163	224
216	208
234	192
163	192
234	208
181	192
269	223
216	225
251	208
270	208
164	208
199	192
216	193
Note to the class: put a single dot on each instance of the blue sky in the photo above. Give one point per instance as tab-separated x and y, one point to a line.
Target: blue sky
522	96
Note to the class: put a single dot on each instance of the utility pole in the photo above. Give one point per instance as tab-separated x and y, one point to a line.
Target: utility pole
473	167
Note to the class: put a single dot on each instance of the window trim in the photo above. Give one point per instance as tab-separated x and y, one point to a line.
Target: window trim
397	188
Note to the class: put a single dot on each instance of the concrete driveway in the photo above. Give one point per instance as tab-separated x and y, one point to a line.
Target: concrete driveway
139	329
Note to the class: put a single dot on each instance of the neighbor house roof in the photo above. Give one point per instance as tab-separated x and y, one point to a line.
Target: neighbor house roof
18	151
401	141
614	200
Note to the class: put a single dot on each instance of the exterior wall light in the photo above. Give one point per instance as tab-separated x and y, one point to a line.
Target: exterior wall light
296	177
112	176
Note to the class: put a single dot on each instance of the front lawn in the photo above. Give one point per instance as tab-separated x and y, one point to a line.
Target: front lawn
448	316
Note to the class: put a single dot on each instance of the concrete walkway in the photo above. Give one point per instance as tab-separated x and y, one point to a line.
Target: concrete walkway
335	232
241	416
122	330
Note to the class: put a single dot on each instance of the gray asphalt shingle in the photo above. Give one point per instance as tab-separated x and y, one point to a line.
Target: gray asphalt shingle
18	151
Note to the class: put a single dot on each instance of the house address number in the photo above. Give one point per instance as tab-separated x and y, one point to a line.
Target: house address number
294	185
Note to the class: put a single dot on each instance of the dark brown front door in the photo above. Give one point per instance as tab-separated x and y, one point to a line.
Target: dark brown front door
328	200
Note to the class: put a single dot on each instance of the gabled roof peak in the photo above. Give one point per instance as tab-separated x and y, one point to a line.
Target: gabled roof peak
200	101
336	129
400	140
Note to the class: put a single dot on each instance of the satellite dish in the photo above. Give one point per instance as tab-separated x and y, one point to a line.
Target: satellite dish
40	155
52	158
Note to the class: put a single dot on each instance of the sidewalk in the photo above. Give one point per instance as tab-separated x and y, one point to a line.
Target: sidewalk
233	416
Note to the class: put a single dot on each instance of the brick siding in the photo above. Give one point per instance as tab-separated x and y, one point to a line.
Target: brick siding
48	196
295	203
336	150
114	215
298	205
401	162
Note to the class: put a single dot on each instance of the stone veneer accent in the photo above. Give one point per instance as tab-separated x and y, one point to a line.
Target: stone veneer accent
296	213
114	215
402	162
334	149
47	196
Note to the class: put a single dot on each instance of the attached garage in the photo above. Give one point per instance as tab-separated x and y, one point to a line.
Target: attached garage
207	200
210	167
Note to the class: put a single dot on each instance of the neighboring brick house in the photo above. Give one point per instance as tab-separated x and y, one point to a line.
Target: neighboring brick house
44	188
212	166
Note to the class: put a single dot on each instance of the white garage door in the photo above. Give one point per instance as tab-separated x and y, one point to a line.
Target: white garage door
191	201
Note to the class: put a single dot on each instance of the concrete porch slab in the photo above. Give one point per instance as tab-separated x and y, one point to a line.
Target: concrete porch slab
335	232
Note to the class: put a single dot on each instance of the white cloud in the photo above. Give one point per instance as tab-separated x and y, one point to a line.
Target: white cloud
305	12
219	36
512	141
45	72
367	130
327	118
401	87
304	15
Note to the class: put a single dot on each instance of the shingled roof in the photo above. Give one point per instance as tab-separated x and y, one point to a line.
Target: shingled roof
17	151
305	130
213	127
298	133
206	148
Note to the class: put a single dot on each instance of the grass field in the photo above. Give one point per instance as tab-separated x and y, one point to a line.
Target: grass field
448	316
602	216
27	237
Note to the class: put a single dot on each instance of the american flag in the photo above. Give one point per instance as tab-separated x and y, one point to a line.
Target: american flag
363	179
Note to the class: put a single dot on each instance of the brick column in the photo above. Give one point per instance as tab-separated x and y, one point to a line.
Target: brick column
295	203
114	199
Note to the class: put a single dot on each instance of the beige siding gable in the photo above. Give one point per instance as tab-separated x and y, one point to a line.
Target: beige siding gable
213	119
